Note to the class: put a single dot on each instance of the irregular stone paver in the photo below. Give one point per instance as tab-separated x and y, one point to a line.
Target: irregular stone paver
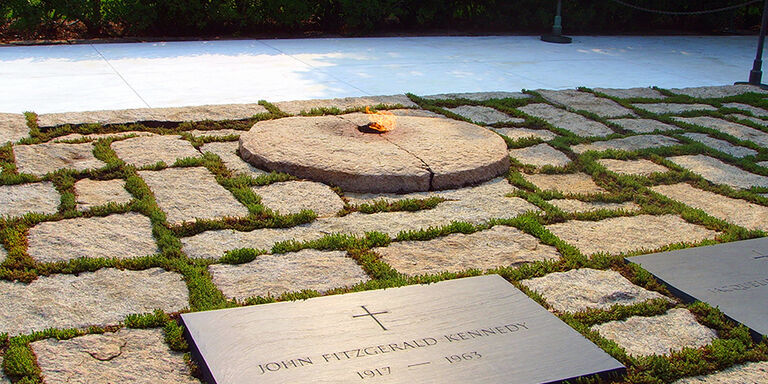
526	133
763	164
565	183
759	112
631	93
17	200
540	155
500	246
273	275
125	356
186	194
214	133
299	106
94	193
736	211
625	234
99	136
416	113
750	118
3	254
176	115
640	167
719	172
631	143
294	196
143	151
741	132
227	151
753	372
581	289
574	206
721	145
657	335
478	96
569	121
13	127
115	236
39	159
498	187
713	92
485	115
584	101
673	108
643	125
103	297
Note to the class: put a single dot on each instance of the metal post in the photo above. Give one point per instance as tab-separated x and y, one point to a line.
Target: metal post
756	74
557	29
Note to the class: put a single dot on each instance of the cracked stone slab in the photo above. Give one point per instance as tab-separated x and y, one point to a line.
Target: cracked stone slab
13	127
99	136
573	183
581	289
759	112
17	200
714	92
346	103
631	233
657	335
752	372
718	172
95	193
735	211
673	108
478	96
273	275
540	155
575	206
125	356
118	236
228	152
100	298
741	132
500	246
137	115
569	121
643	125
631	143
585	101
484	115
188	194
639	167
632	93
143	151
39	159
721	145
525	133
291	197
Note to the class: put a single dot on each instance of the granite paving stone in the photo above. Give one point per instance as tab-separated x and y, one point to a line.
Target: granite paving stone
13	127
639	167
94	193
39	159
144	151
273	275
755	120
632	233
741	132
228	152
187	194
138	356
478	96
585	101
631	143
762	163
416	113
291	197
19	199
574	206
643	125
118	236
214	133
3	254
631	93
673	108
712	92
581	289
574	183
99	136
299	106
498	187
752	373
525	133
735	211
484	115
719	172
721	145
540	155
569	121
657	335
500	246
759	112
100	298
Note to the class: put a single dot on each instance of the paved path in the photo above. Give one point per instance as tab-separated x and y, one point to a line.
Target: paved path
115	76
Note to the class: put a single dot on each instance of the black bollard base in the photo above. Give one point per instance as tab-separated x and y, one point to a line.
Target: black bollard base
558	39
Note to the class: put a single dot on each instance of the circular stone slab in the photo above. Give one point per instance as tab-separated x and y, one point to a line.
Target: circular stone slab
420	154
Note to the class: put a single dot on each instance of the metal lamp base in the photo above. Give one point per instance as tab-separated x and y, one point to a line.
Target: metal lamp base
558	39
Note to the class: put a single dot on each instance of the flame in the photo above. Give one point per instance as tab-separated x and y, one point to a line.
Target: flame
381	121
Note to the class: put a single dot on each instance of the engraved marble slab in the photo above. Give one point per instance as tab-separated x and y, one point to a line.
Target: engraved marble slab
731	276
473	330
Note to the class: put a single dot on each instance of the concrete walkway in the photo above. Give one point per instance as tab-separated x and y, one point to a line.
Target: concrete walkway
48	79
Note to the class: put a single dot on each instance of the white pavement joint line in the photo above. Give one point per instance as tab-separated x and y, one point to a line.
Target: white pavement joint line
120	76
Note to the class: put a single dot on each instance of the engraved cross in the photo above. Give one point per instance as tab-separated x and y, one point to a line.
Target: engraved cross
372	315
